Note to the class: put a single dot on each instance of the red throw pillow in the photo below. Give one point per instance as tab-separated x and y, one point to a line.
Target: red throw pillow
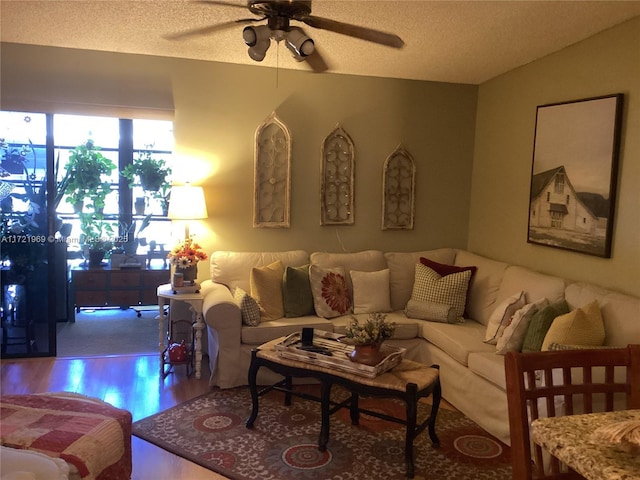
443	270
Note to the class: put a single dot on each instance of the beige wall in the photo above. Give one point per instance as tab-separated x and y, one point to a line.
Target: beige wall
604	64
218	108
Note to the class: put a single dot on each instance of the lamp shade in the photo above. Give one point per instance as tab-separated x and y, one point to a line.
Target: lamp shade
187	203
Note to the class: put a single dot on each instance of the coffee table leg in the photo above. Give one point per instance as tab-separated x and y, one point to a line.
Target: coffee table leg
411	403
253	388
436	395
325	397
354	411
288	385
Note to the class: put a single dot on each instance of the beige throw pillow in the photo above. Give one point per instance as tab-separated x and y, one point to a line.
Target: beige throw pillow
266	288
501	316
582	326
370	291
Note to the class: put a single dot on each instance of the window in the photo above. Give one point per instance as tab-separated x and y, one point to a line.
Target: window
559	183
119	142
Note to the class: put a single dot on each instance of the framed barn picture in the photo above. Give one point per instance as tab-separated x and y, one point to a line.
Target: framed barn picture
574	174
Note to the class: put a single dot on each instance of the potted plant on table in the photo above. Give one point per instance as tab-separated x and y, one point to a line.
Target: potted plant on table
97	237
367	337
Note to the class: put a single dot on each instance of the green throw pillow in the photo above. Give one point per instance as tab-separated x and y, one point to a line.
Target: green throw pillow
540	324
296	292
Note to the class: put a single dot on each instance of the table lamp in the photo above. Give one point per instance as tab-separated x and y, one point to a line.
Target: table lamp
187	203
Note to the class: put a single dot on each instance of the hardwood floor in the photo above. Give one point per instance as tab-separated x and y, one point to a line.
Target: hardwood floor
130	382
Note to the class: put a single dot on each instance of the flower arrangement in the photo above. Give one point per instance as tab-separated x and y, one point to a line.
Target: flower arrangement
373	331
186	253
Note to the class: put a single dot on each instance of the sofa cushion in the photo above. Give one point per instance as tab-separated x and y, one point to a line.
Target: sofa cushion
536	285
234	268
484	286
249	308
370	291
501	317
267	331
266	288
297	298
513	336
582	326
406	328
619	311
330	292
449	290
457	339
488	366
402	272
540	324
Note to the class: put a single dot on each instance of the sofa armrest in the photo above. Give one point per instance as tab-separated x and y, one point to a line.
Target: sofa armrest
222	316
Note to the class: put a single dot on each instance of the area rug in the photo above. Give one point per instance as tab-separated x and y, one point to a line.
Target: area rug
210	431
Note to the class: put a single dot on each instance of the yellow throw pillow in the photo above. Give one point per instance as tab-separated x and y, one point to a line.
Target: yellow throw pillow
582	326
266	288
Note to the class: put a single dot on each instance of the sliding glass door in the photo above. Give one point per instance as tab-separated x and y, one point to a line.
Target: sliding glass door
29	255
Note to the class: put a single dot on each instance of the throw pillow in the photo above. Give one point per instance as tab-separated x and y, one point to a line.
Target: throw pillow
370	291
501	316
296	292
582	326
515	330
444	269
429	286
540	324
433	312
249	308
266	288
553	347
330	292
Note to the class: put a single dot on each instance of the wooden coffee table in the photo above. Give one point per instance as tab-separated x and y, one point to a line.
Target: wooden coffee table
409	381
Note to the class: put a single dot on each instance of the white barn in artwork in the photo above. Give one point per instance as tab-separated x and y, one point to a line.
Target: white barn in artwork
555	204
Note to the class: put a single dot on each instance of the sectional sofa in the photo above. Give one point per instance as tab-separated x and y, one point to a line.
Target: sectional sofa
472	372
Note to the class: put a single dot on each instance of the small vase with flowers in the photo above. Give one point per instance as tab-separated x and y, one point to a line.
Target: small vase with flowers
367	338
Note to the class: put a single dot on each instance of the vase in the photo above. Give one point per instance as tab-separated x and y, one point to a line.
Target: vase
189	274
96	257
367	354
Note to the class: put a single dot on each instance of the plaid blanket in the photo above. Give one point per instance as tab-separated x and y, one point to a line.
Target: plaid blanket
87	433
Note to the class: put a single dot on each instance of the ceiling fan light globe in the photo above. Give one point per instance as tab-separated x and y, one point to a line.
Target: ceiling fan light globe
249	36
259	50
307	48
299	43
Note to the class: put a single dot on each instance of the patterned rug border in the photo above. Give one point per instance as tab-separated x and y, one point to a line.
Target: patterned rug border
470	452
181	452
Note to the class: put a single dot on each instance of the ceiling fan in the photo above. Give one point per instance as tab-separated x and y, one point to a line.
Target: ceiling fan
279	14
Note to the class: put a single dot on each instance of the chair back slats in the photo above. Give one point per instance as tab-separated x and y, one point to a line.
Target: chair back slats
550	384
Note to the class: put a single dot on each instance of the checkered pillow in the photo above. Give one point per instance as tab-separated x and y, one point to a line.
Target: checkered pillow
248	307
451	289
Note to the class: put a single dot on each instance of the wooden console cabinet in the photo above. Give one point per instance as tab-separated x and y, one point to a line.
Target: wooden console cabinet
104	287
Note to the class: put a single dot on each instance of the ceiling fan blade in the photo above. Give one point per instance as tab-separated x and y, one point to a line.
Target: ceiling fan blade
317	62
224	4
369	34
209	29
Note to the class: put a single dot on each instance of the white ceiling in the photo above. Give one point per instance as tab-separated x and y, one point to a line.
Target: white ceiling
449	41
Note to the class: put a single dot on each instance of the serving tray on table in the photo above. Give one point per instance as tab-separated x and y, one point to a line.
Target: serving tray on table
339	356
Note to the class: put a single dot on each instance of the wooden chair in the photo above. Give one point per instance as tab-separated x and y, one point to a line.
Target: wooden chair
586	381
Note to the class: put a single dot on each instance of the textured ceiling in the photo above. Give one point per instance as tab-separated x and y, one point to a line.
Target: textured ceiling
449	41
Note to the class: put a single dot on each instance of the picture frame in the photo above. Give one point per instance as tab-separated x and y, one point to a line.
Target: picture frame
574	174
